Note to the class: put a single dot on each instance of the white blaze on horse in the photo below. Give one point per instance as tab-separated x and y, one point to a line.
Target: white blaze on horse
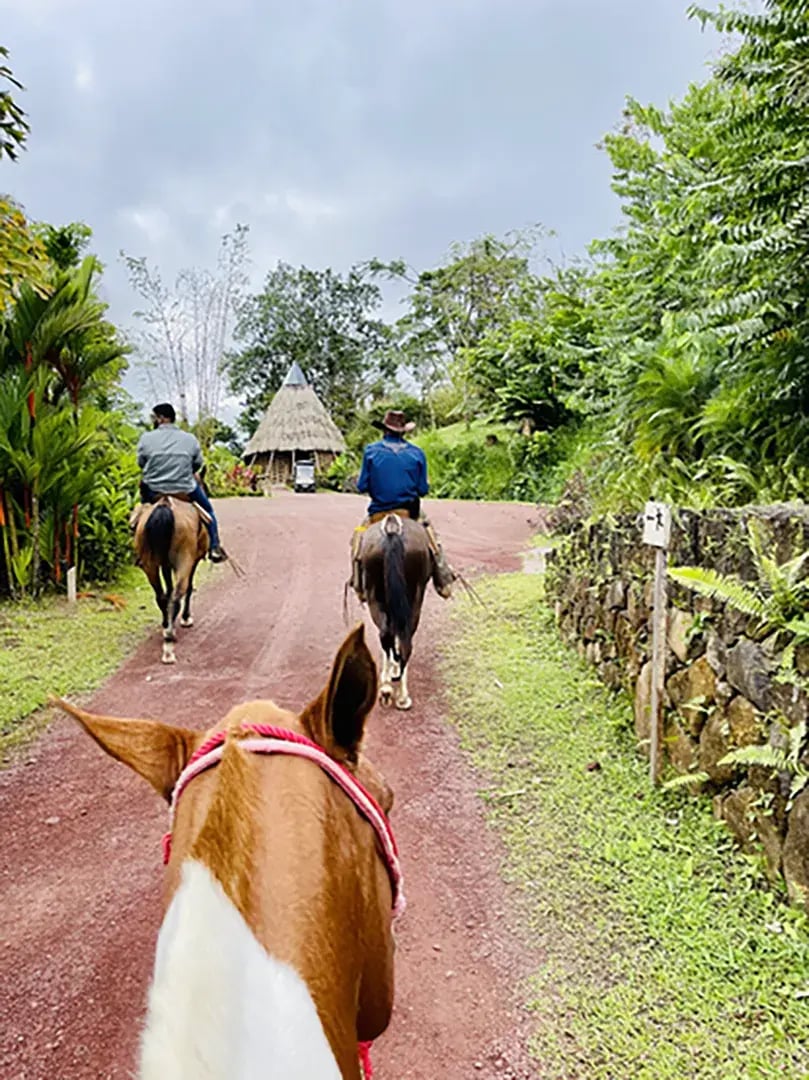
170	539
396	566
275	956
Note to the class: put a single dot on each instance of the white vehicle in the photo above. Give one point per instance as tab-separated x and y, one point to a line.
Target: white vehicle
304	476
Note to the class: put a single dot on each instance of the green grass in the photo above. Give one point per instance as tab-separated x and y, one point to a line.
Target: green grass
460	433
53	647
661	952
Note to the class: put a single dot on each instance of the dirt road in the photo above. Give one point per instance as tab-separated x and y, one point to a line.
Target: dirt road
80	865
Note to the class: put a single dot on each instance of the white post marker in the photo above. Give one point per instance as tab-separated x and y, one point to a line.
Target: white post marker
657	533
71	585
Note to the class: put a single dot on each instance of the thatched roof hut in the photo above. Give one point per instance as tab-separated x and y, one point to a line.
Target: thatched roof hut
295	426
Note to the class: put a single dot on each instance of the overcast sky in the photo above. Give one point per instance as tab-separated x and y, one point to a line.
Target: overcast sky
338	130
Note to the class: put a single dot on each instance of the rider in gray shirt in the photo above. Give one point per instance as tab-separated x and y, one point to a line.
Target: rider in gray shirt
170	459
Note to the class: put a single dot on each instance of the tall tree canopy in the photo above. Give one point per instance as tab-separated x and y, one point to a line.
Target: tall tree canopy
480	289
13	124
326	322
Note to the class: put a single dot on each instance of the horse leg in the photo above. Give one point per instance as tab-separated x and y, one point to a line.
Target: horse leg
152	570
187	618
402	699
153	574
386	675
170	611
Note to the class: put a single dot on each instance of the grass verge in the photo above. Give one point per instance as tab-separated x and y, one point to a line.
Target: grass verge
663	953
54	647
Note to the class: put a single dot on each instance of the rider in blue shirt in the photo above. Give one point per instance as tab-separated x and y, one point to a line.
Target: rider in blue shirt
394	474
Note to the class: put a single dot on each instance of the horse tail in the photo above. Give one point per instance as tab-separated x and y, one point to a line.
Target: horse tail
158	532
399	610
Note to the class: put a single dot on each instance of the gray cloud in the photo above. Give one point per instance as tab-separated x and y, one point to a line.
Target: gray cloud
337	129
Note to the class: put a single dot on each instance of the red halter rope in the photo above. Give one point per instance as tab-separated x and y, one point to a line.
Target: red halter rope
275	740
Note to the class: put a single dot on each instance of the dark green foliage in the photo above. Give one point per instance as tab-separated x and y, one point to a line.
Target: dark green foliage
106	541
689	332
13	124
61	431
325	322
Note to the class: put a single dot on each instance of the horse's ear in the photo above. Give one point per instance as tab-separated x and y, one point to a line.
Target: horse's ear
336	719
157	752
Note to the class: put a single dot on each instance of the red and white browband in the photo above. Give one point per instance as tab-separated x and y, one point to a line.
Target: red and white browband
276	740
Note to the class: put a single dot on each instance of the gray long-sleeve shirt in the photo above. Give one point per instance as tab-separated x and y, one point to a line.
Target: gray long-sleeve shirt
169	457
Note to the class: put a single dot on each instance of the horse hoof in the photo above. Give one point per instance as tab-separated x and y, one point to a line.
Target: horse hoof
168	658
386	696
405	705
187	622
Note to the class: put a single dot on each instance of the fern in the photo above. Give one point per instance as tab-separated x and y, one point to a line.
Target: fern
778	759
710	583
768	757
685	780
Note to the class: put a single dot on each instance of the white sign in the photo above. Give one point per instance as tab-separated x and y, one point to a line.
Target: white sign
657	524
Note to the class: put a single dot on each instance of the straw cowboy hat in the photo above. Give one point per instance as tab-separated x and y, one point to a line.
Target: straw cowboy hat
394	421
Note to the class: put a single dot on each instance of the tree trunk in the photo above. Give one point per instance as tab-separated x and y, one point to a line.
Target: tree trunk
35	539
4	513
57	553
75	531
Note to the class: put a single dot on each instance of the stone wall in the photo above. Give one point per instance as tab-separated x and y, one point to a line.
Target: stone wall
724	689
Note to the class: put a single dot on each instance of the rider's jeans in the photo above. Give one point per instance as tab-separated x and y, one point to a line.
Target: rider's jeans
199	496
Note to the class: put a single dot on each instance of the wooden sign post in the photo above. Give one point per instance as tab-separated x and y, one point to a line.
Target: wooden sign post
657	533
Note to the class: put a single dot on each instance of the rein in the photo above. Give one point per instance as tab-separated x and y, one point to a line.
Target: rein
269	739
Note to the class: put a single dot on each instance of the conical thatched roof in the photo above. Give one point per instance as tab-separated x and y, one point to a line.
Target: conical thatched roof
295	420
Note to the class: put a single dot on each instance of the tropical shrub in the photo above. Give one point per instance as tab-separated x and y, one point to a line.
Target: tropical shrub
105	540
226	475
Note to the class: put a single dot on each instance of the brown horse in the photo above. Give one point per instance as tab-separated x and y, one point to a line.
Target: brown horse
170	540
396	567
275	953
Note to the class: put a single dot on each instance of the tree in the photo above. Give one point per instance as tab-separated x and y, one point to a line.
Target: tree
22	254
64	244
65	333
532	369
484	286
322	320
13	124
55	351
183	344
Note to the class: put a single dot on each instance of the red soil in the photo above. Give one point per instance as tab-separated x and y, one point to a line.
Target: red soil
80	870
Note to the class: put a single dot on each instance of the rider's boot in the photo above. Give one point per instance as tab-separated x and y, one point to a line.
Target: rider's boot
216	553
443	574
134	517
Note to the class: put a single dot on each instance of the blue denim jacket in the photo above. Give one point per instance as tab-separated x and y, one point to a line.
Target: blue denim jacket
393	473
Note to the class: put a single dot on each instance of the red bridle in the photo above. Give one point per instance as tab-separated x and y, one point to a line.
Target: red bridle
277	740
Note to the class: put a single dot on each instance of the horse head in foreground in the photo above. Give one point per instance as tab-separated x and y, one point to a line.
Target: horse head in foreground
275	955
170	540
396	567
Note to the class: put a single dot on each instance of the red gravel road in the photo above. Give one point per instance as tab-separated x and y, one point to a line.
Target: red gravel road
80	866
